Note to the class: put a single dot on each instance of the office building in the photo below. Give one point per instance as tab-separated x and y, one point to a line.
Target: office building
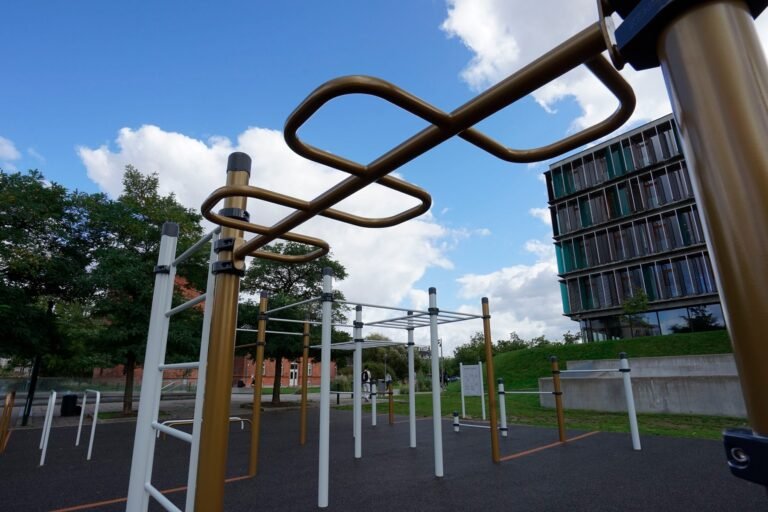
627	233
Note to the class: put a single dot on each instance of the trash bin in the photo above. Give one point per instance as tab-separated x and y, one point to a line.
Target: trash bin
69	405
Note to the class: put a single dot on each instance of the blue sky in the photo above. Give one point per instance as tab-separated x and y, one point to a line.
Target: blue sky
171	87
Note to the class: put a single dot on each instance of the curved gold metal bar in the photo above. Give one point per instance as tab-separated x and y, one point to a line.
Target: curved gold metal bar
583	48
322	246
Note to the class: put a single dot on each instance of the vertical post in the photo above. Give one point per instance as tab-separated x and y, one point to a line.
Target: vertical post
411	384
628	394
724	127
456	424
93	426
482	390
214	431
437	425
502	407
152	379
357	370
489	375
304	381
82	418
373	404
47	426
325	390
391	403
258	384
461	381
205	337
558	393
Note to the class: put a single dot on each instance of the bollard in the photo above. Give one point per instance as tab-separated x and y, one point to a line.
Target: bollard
455	421
558	399
391	403
624	369
373	404
502	408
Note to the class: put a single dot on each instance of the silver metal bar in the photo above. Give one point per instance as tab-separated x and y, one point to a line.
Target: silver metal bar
590	371
173	432
186	305
380	306
289	306
160	498
179	366
272	332
189	252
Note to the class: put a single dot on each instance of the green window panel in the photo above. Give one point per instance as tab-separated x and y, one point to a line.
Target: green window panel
580	253
586	293
623	199
612	173
628	158
649	278
568	263
568	181
557	181
617	157
585	212
559	257
566	302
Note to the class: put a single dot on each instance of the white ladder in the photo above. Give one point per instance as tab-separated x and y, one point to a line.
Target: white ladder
140	487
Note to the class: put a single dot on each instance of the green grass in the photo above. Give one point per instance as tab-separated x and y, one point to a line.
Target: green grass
522	369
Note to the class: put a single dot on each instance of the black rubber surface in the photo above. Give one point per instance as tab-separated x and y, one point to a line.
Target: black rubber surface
599	472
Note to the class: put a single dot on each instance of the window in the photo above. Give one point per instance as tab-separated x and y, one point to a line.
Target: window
637	196
683	276
666	280
616	243
586	293
602	247
663	188
672	229
577	170
639	151
628	240
568	256
593	258
612	197
310	365
601	167
625	285
557	182
685	221
697	223
676	184
686	180
585	212
573	215
641	238
706	318
667	140
559	258
611	294
574	296
568	179
650	199
674	320
627	153
562	219
649	279
654	145
698	273
615	156
579	253
589	171
658	238
623	191
597	207
598	294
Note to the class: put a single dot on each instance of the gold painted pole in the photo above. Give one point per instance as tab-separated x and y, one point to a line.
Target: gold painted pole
391	403
491	382
214	432
304	381
717	80
261	340
558	392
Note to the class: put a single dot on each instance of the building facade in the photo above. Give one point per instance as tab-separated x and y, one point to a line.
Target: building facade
627	231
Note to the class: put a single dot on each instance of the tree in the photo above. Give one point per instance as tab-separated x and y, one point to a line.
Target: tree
287	283
514	342
471	352
124	275
633	308
47	246
571	339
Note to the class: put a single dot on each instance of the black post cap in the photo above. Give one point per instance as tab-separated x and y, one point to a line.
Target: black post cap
622	355
239	161
170	229
432	290
484	300
264	294
552	359
358	308
328	271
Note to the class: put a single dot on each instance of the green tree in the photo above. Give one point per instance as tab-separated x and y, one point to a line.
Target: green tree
124	276
47	246
633	309
472	351
514	342
571	339
288	283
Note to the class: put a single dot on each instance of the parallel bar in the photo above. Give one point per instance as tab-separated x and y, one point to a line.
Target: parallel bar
173	432
289	306
267	332
161	499
591	371
190	303
366	305
197	245
179	366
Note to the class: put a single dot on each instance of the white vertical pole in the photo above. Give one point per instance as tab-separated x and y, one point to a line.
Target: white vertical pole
197	418
461	381
95	419
456	424
149	402
325	391
437	425
482	389
624	369
357	372
502	408
47	426
82	416
373	404
411	383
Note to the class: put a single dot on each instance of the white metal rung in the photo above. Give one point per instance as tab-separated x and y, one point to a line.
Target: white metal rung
173	432
179	366
161	499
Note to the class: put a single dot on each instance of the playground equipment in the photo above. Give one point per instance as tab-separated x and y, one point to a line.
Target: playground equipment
95	419
47	426
5	420
471	379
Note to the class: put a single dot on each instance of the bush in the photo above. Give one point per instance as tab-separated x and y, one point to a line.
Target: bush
341	383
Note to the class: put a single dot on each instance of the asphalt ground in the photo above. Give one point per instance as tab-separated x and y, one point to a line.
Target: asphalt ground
593	472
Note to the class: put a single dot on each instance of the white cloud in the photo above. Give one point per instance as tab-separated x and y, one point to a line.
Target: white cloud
36	155
8	153
505	35
383	264
542	214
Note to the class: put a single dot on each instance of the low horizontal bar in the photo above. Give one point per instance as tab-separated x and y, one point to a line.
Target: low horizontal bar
173	432
178	309
289	306
473	426
189	252
591	371
414	311
272	332
179	366
528	392
161	499
460	314
310	322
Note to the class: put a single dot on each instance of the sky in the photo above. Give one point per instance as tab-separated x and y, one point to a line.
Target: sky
173	87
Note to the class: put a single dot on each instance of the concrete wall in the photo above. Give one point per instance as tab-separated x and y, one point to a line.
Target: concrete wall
677	385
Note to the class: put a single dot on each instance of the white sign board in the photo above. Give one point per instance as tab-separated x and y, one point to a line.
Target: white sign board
471	380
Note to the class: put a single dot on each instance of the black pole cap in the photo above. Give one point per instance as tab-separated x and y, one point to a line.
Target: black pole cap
264	294
500	380
622	355
239	161
328	271
432	290
170	229
358	308
552	359
484	300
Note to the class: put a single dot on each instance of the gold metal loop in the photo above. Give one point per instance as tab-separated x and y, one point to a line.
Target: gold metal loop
236	191
583	48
